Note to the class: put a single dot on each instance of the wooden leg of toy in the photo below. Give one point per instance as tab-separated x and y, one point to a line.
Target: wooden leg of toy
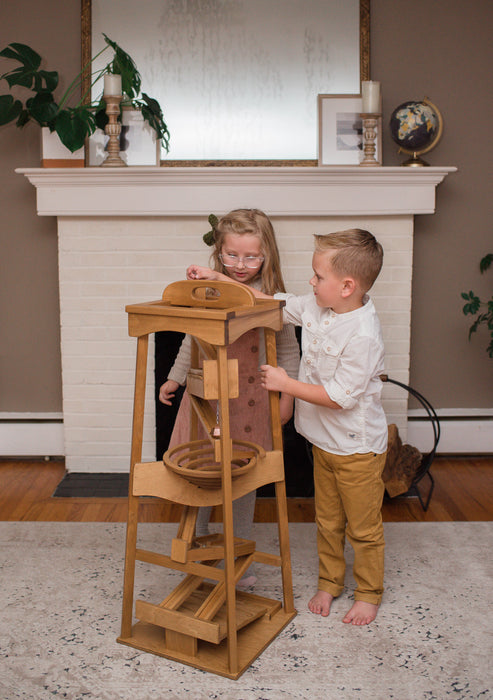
283	528
186	532
227	497
275	415
133	501
129	576
282	510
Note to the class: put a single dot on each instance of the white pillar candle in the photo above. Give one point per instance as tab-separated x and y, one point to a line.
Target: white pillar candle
112	84
370	94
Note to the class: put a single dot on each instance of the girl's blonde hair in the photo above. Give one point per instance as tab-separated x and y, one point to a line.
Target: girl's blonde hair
254	222
357	253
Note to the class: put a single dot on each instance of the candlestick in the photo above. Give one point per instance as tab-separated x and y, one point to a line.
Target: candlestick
370	122
370	97
113	129
112	84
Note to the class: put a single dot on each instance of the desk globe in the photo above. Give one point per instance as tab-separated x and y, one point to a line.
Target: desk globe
416	127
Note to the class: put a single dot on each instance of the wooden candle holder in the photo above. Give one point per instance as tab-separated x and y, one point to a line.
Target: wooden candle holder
113	129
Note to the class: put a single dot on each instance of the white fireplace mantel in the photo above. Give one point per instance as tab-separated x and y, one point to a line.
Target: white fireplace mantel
126	233
283	191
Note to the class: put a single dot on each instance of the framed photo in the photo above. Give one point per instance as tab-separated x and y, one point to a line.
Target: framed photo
340	131
138	143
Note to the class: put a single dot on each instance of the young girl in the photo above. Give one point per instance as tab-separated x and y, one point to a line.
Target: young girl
245	250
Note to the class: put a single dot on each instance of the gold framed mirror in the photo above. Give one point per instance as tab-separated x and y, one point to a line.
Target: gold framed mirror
297	133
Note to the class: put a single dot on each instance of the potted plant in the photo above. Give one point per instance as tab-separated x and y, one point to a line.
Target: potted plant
474	305
73	124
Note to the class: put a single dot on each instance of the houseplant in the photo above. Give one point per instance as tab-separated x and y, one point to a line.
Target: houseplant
71	118
474	305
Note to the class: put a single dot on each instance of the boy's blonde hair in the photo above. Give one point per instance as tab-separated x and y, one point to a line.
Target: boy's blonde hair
357	254
254	222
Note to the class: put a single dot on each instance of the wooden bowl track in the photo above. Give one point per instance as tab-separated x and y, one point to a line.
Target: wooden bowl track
196	461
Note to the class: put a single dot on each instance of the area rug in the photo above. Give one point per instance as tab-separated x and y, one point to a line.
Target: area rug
61	587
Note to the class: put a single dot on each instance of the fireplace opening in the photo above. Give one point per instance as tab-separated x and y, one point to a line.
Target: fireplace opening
298	465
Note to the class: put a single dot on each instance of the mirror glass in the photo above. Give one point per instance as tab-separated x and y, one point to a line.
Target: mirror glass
237	79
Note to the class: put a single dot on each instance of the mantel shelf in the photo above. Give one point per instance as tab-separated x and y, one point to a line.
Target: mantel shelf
280	191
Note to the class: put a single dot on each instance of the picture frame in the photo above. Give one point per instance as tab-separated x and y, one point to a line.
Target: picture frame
340	131
138	142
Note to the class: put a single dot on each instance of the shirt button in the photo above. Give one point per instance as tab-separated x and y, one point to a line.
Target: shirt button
347	391
308	362
251	402
251	380
247	428
308	324
326	323
315	341
254	348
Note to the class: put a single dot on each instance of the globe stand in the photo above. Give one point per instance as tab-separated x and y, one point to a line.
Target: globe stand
370	122
414	162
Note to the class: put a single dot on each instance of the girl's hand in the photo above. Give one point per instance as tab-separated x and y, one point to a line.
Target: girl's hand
196	272
273	378
167	391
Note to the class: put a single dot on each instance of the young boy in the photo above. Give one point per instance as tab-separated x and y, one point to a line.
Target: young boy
338	409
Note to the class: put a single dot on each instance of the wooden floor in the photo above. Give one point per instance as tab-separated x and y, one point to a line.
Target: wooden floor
463	492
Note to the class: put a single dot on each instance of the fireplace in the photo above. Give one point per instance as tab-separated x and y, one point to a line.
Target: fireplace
125	233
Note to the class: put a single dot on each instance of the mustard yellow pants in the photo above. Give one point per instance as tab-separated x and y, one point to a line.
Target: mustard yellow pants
348	501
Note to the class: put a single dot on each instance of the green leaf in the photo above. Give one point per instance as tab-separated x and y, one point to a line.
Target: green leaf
73	126
42	108
122	64
24	54
48	77
486	262
152	113
21	77
10	109
473	328
100	116
27	75
24	117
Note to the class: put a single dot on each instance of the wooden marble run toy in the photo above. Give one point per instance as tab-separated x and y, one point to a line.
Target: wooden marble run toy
212	626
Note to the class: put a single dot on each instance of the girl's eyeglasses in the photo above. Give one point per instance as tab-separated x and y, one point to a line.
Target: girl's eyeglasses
250	261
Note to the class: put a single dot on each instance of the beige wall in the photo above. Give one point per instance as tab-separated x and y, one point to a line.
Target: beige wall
30	374
441	49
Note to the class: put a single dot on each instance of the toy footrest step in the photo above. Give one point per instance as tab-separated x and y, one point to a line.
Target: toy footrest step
249	607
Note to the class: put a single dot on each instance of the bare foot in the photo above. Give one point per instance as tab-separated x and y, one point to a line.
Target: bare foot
320	603
361	613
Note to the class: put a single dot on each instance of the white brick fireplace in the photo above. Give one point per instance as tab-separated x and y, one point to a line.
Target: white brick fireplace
125	234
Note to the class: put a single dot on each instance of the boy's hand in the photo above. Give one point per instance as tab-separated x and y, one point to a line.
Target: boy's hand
167	391
273	378
286	406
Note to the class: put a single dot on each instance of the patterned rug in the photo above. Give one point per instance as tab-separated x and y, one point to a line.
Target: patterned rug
61	586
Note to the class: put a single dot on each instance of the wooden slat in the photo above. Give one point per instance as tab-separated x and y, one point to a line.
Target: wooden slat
198	293
177	621
203	382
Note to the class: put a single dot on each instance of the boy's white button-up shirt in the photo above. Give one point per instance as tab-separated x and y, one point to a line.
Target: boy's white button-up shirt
345	354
